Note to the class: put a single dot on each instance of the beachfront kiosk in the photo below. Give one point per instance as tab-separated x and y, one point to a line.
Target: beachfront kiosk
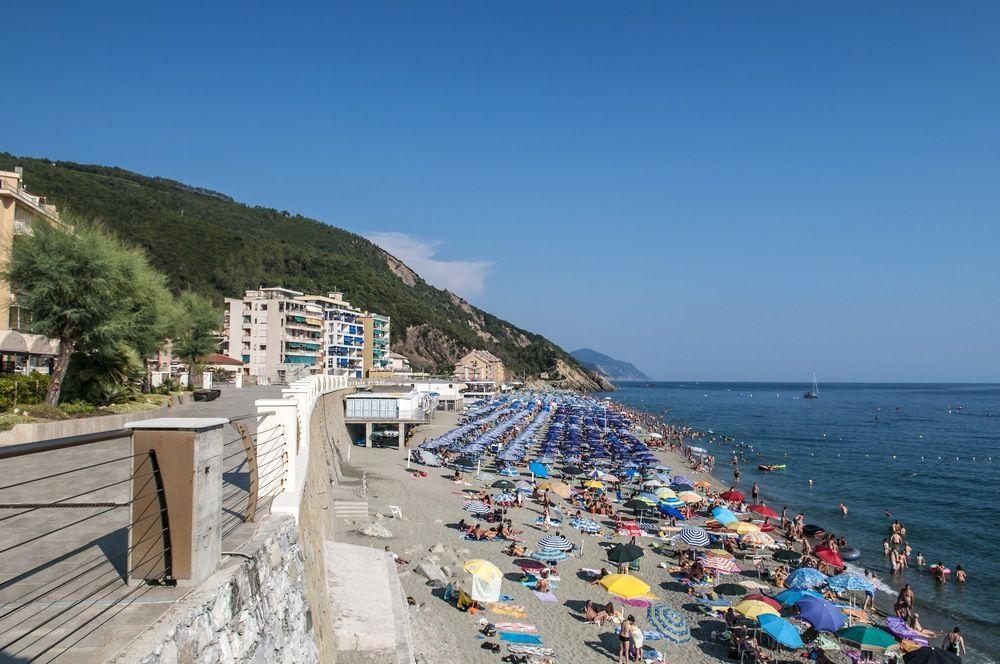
380	416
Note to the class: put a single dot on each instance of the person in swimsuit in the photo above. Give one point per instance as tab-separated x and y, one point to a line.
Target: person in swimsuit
960	575
954	643
625	641
755	492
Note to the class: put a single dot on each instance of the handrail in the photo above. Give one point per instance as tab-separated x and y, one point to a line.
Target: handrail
37	447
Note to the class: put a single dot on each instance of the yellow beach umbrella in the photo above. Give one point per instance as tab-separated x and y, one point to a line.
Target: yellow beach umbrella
624	585
483	570
593	484
752	608
561	489
689	497
665	492
743	527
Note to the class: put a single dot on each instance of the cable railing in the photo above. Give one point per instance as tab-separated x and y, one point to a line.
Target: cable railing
254	471
80	516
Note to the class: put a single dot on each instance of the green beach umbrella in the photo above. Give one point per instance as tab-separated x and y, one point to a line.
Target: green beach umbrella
866	637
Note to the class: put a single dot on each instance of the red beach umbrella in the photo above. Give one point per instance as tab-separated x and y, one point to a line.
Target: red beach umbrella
734	496
829	556
764	510
767	600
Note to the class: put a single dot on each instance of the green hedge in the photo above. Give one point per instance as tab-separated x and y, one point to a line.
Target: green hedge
21	389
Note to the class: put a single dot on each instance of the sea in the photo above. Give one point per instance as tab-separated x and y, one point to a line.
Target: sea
928	454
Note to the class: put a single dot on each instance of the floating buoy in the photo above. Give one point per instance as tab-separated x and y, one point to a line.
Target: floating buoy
850	553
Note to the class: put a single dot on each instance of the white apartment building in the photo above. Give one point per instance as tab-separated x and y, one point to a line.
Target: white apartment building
356	342
276	334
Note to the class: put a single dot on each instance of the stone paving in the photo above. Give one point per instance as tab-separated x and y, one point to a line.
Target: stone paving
62	591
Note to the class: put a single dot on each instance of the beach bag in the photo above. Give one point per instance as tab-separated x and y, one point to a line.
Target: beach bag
492	647
490	630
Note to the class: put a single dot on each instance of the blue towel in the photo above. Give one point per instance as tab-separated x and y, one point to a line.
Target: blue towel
517	637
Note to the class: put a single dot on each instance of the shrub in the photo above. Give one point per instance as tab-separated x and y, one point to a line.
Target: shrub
77	407
22	389
41	411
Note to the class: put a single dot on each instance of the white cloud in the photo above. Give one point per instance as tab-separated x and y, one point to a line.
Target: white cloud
467	278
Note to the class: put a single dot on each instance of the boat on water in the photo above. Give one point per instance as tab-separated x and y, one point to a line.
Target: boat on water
814	393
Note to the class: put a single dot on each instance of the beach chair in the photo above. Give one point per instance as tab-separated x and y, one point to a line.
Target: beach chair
395	512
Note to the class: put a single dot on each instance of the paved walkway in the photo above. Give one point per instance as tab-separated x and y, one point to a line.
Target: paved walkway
62	570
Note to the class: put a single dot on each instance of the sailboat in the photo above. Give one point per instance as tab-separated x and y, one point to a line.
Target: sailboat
814	393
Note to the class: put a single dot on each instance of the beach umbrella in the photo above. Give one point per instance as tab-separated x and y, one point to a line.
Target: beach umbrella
476	507
595	474
844	582
624	585
703	485
524	487
669	622
549	555
743	527
486	580
593	484
664	492
637	505
681	479
510	472
721	565
829	556
652	484
666	510
780	630
689	497
805	577
751	608
694	536
610	478
723	516
557	542
559	488
586	525
770	601
624	553
681	487
505	499
764	511
786	556
790	597
821	614
866	637
759	540
505	485
928	655
648	498
539	470
733	589
732	496
673	502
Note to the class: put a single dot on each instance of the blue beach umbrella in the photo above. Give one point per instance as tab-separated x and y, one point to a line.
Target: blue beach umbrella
666	510
846	581
510	472
790	597
723	516
672	502
805	577
538	469
780	630
557	542
821	614
549	555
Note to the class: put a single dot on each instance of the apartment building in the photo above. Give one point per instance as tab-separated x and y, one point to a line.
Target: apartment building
20	351
356	342
277	335
480	365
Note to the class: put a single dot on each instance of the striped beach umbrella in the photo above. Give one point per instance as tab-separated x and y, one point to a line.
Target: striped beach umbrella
721	565
549	555
676	503
694	536
476	507
556	542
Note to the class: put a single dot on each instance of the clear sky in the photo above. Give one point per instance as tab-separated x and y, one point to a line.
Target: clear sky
711	190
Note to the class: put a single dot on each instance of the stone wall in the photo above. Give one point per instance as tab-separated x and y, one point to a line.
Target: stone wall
252	610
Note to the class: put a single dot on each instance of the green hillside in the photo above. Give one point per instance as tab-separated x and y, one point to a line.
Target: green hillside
212	244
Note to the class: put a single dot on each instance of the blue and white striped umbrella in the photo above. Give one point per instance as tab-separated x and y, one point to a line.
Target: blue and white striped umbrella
672	502
681	479
586	525
549	555
557	542
476	507
510	472
695	536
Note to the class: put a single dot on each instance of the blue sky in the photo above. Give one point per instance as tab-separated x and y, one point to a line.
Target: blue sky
726	190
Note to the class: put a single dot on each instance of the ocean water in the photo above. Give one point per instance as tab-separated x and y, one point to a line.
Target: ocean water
929	454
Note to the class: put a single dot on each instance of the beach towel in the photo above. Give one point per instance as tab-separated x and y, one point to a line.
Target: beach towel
515	637
651	636
512	610
545	597
637	601
531	650
515	627
531	584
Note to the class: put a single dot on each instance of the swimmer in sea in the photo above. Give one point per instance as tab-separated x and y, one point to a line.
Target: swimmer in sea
810	482
843	508
960	575
920	559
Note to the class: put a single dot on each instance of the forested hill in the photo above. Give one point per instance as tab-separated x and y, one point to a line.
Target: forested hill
212	244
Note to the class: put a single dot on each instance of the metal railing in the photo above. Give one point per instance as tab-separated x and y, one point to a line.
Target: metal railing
61	502
255	466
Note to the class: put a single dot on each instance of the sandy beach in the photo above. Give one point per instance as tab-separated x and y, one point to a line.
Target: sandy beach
432	506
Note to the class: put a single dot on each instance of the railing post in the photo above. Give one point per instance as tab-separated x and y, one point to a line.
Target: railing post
176	499
279	417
